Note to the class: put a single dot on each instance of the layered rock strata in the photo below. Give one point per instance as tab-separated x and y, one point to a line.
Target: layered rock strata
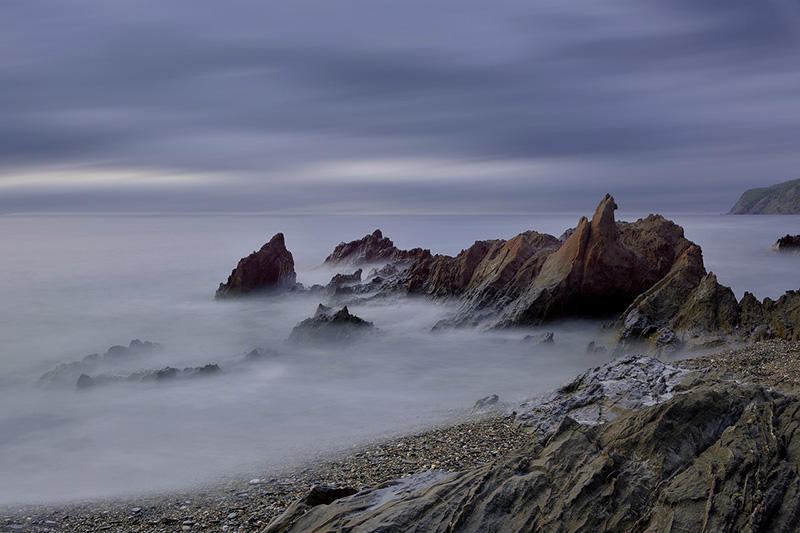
695	454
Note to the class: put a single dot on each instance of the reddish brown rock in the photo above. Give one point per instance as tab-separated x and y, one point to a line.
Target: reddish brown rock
269	269
373	248
600	269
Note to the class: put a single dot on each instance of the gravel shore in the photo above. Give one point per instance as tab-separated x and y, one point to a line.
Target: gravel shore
249	505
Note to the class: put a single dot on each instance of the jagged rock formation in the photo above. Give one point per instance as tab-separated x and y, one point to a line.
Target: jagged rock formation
167	373
329	327
788	243
373	248
67	373
486	277
717	457
270	268
598	269
780	199
339	283
676	314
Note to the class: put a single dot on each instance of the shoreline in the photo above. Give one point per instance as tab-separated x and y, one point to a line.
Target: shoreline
249	505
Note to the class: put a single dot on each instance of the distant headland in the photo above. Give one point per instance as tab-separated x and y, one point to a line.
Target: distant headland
780	199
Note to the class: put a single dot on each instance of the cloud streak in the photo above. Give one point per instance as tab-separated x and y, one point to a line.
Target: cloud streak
282	100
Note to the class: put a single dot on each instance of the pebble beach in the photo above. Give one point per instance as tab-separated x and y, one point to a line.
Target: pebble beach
247	505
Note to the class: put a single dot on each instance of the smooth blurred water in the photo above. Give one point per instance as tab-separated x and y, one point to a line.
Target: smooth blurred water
73	285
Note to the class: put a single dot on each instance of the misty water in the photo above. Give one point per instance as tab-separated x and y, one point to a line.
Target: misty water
74	285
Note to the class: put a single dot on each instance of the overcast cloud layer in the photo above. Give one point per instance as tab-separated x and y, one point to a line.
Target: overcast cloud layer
377	106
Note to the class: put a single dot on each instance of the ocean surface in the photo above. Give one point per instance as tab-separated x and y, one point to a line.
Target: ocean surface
72	285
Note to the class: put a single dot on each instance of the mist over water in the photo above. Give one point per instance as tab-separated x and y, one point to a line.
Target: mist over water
74	285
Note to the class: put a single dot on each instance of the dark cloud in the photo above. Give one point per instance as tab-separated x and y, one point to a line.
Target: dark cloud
633	97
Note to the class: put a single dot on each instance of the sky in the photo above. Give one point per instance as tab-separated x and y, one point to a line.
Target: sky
348	106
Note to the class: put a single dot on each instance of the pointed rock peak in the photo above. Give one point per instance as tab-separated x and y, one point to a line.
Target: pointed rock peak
603	219
322	310
277	240
377	234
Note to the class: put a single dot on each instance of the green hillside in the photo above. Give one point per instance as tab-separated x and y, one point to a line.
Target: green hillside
780	199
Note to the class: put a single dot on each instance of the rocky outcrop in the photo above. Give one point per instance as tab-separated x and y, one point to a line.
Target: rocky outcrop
720	458
340	283
711	309
597	269
67	373
600	269
780	199
160	375
373	248
788	243
675	315
485	277
635	445
270	268
655	309
601	394
328	327
644	274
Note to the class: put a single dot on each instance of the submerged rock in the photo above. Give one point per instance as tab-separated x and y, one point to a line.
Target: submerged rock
486	402
67	373
270	268
788	243
261	354
327	326
546	337
594	348
167	373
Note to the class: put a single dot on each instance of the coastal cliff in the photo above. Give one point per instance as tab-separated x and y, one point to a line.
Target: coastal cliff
780	199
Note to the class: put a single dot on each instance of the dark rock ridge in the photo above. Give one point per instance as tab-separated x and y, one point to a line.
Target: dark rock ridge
683	312
373	248
597	269
780	199
270	268
331	327
695	454
339	283
67	373
163	374
788	243
646	273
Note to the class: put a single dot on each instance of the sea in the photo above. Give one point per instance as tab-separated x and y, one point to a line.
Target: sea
73	285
